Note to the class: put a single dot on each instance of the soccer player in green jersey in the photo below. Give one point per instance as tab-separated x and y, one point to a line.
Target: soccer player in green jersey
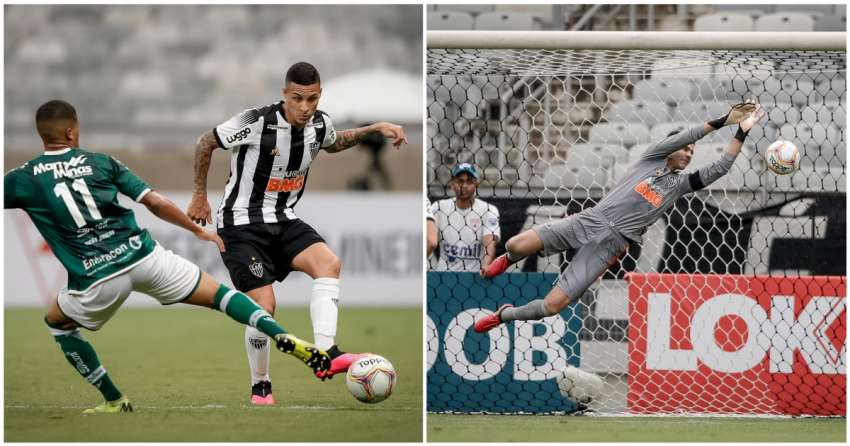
71	195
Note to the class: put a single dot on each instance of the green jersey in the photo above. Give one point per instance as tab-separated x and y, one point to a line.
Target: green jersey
72	198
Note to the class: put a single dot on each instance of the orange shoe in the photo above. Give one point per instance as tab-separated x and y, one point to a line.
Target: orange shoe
490	322
497	266
340	364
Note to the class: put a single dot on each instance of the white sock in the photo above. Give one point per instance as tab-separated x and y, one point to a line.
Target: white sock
323	311
258	347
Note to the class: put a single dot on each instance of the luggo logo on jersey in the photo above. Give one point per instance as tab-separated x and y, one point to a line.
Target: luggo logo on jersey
239	136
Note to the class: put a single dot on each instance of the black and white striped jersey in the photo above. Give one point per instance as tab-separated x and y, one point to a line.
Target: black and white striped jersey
269	164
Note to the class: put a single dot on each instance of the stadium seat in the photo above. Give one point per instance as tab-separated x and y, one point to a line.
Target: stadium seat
595	154
706	89
790	88
505	21
814	9
468	8
646	112
785	22
669	91
781	113
699	111
449	20
661	130
724	22
618	171
831	86
704	154
795	182
622	133
753	10
637	150
807	178
821	113
830	22
569	176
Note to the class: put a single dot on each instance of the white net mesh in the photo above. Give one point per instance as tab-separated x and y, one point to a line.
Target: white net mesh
553	131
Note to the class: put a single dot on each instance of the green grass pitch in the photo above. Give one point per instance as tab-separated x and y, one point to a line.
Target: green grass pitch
553	428
186	373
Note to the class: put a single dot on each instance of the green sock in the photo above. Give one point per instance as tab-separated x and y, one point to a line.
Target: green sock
245	311
81	355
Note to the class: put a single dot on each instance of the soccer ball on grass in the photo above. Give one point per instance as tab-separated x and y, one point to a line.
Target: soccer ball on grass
371	378
782	157
578	385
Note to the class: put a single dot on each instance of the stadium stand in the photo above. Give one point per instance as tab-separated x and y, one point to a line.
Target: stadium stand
647	112
669	91
627	134
724	22
157	76
449	20
506	21
813	9
829	22
785	21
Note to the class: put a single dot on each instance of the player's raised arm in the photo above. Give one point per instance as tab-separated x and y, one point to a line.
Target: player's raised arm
166	210
346	139
199	208
706	175
734	147
672	143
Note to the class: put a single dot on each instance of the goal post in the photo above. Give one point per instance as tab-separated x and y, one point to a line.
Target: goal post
733	304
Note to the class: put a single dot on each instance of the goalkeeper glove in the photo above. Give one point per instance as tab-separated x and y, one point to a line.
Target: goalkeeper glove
738	113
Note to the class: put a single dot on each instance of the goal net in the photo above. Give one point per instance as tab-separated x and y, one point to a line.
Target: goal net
735	301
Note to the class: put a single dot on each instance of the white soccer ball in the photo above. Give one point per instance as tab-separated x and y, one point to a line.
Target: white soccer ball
371	378
578	385
782	157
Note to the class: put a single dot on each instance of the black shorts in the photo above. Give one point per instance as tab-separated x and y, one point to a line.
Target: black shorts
259	254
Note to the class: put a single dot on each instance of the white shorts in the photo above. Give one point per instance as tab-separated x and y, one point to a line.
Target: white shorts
163	275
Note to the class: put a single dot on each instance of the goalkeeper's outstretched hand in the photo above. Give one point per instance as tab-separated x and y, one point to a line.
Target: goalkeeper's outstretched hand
738	113
750	120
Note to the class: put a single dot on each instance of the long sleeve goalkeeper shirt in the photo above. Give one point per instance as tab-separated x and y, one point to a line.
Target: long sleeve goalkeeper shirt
649	188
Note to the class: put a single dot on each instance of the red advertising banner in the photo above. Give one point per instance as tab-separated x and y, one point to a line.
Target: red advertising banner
737	344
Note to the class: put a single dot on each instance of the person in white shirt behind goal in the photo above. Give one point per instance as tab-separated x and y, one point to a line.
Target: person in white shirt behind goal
601	234
467	227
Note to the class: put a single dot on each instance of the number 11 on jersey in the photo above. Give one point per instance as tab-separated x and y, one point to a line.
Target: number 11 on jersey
62	191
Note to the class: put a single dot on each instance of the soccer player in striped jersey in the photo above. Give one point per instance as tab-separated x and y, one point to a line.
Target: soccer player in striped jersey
272	148
71	195
602	234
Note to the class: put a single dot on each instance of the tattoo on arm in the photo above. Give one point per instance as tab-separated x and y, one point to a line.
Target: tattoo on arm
203	156
346	139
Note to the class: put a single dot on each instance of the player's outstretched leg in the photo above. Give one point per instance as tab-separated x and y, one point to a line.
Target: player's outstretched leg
81	355
242	309
537	309
518	247
492	321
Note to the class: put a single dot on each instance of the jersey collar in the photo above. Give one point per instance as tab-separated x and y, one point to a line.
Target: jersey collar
57	152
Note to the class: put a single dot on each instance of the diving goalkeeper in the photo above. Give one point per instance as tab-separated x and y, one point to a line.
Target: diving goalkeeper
601	234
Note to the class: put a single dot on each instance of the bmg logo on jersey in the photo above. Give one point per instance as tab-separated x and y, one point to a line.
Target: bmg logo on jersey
239	136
